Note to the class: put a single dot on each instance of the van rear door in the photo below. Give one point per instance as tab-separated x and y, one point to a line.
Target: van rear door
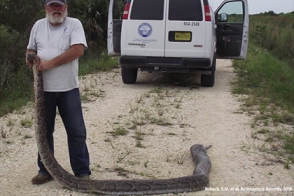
232	20
144	29
186	29
169	28
115	12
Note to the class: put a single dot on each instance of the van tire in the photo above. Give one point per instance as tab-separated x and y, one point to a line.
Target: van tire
209	80
129	75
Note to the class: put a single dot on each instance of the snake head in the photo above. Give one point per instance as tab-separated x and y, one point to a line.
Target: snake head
32	59
195	149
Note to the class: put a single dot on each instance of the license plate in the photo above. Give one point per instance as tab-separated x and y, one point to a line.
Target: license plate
183	36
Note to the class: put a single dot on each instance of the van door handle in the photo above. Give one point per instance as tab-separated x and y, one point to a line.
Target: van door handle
229	29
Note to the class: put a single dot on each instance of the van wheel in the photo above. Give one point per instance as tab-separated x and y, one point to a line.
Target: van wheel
129	75
208	80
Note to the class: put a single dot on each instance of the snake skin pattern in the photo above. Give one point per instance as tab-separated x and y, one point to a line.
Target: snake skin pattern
196	182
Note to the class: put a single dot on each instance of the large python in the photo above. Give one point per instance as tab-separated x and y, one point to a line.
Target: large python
196	182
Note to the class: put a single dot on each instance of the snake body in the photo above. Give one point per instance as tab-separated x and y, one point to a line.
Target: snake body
196	182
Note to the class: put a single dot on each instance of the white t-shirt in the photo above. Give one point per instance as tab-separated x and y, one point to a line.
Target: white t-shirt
49	42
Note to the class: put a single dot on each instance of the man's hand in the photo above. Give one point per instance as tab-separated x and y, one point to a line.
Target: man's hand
45	65
74	52
32	58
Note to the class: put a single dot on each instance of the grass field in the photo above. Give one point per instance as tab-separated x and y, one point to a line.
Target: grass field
268	86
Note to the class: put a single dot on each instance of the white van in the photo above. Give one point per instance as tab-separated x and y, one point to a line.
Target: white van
176	36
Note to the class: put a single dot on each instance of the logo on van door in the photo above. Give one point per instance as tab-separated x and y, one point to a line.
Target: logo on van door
145	30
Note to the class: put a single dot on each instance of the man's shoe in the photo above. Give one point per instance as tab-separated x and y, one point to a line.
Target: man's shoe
41	179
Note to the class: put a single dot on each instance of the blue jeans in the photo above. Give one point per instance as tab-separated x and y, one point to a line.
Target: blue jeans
70	110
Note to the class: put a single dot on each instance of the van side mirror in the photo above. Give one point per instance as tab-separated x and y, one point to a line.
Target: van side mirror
223	17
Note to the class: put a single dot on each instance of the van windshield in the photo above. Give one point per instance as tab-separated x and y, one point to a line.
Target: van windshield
147	10
188	10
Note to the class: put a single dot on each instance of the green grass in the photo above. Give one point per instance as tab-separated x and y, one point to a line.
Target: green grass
275	33
100	63
118	131
26	122
268	84
18	91
267	78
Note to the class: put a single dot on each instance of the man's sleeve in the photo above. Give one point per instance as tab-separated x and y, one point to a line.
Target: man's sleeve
32	40
78	35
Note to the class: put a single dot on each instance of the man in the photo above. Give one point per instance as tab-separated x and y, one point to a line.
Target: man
59	41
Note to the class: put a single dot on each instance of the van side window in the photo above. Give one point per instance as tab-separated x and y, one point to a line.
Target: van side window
234	13
147	10
188	10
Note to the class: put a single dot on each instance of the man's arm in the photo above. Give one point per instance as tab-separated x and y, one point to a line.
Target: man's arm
74	52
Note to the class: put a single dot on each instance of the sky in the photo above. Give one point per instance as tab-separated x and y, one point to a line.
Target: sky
260	6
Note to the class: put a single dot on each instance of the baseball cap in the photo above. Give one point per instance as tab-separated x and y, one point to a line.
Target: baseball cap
61	2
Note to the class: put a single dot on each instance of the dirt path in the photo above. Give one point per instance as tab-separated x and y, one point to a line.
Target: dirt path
144	131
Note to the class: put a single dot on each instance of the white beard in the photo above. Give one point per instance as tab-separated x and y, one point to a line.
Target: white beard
56	19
